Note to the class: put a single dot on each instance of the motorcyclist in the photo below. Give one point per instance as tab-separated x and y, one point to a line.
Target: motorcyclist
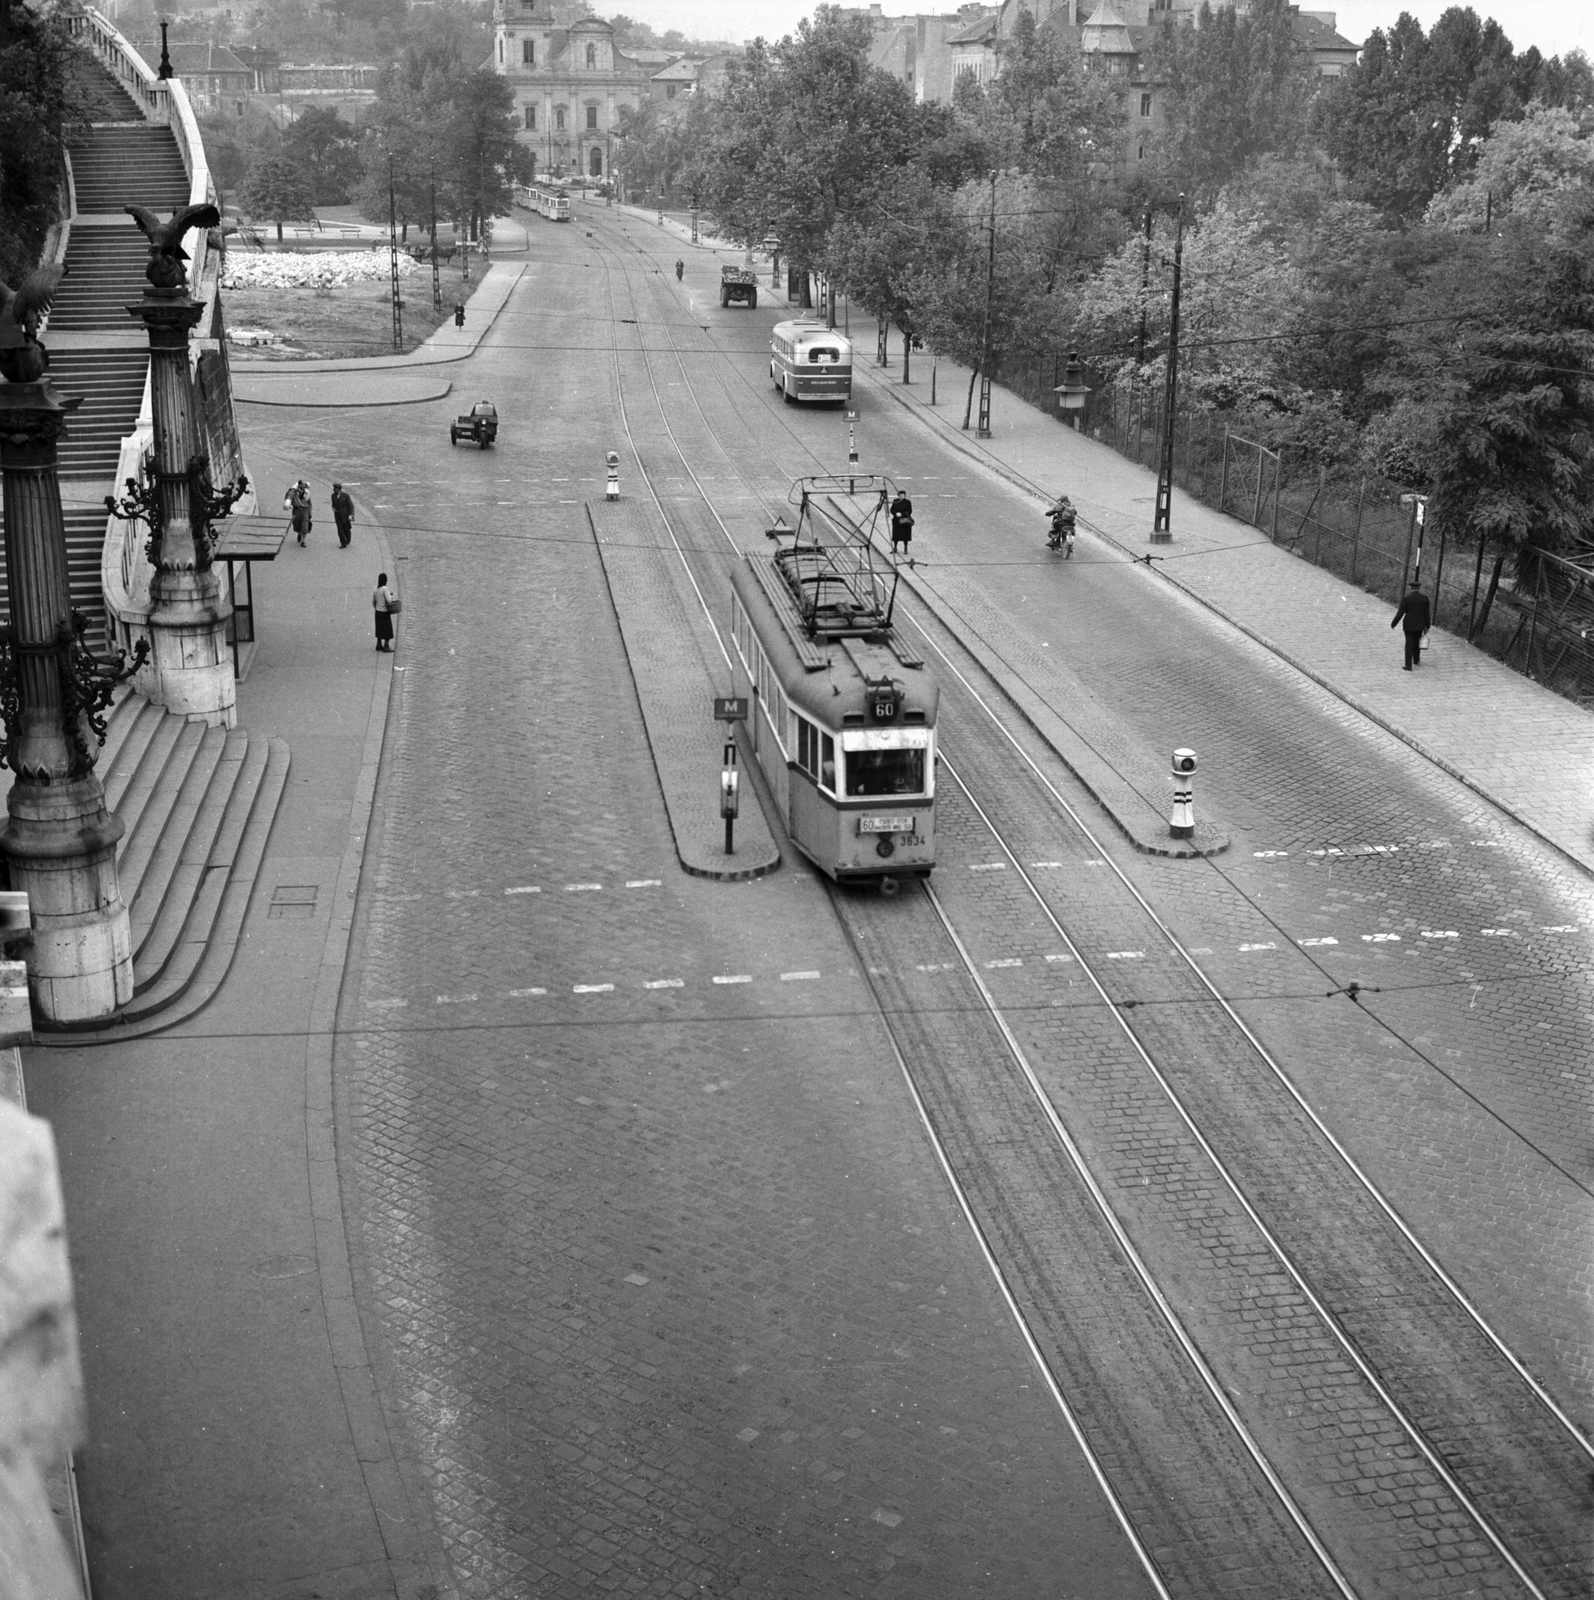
680	268
1061	535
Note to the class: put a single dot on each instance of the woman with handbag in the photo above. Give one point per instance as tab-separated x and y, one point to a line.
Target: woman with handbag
385	603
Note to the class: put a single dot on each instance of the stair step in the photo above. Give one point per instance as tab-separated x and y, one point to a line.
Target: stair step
155	939
200	964
140	807
119	720
176	806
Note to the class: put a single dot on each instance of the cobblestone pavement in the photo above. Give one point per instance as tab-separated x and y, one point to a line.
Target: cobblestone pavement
1341	832
665	1285
670	1296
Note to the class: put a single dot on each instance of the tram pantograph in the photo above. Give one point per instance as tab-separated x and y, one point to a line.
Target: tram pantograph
844	709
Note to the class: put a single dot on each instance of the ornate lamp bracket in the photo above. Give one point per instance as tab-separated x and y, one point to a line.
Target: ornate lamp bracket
87	683
141	503
209	506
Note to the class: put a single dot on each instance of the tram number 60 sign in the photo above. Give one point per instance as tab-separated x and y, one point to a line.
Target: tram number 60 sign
730	708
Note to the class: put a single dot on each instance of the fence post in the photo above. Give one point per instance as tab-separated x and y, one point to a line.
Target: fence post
1356	536
1256	499
1278	484
1533	620
1223	482
1439	575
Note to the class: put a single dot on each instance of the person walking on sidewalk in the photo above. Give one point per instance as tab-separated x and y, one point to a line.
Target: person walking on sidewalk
901	522
343	514
386	605
459	314
297	504
1417	615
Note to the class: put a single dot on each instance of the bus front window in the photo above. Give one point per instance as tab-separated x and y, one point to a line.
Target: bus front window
882	772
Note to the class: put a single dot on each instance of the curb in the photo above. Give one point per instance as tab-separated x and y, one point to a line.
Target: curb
1209	840
696	869
415	358
1018	480
343	405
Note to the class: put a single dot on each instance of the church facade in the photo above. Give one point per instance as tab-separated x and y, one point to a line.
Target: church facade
570	81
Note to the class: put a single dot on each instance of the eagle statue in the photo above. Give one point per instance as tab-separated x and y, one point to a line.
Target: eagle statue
22	358
166	253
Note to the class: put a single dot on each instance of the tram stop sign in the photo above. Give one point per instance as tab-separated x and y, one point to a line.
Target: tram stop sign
730	708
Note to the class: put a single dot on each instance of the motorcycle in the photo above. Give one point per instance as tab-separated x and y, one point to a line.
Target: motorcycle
1060	535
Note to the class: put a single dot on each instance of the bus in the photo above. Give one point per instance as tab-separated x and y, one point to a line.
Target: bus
808	361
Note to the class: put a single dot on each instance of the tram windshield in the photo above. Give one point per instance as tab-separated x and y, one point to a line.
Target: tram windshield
878	772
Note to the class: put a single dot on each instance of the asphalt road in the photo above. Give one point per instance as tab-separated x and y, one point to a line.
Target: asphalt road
665	1280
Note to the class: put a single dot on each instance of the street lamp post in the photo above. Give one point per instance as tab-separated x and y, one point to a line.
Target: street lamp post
983	430
437	284
392	257
1161	532
165	68
1073	391
772	245
60	841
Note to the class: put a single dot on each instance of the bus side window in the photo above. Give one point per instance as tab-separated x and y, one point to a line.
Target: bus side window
827	762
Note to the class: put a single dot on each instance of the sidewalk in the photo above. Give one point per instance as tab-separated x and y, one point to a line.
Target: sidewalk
1525	750
234	1420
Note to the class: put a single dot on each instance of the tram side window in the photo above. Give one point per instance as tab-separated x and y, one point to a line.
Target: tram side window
877	772
827	762
807	746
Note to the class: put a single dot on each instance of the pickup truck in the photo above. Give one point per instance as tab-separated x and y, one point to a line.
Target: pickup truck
738	286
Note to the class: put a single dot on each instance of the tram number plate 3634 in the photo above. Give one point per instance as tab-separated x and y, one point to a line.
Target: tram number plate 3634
885	824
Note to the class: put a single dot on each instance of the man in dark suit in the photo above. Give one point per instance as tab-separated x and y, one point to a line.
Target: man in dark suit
1417	615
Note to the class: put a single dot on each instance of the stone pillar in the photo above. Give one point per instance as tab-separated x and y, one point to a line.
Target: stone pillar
190	667
60	841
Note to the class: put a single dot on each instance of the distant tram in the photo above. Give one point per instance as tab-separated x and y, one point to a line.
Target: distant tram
551	203
843	711
808	361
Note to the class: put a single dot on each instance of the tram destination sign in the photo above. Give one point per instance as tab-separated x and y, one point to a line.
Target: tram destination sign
730	708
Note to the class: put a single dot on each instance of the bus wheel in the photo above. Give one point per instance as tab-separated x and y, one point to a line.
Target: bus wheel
889	887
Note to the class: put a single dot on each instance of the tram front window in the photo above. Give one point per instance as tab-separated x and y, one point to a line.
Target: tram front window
878	772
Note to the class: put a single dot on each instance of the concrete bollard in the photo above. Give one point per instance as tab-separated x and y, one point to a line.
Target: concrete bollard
1182	823
612	486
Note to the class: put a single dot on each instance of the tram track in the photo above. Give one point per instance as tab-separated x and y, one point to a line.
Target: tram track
1536	1507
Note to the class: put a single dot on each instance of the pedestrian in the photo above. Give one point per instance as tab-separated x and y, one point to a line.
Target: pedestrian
680	267
901	522
459	313
386	605
343	514
1417	615
297	504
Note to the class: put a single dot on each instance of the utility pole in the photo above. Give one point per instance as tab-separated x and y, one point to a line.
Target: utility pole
1160	530
437	286
983	430
392	256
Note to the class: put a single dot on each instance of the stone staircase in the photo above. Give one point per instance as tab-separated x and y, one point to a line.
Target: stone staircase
111	383
197	803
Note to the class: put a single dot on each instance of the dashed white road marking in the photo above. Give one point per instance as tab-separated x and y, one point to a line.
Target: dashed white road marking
1380	938
581	888
665	983
1560	927
1246	947
520	994
1270	855
1308	943
1008	961
734	977
1440	933
1498	933
988	866
460	894
455	999
524	888
383	1005
1042	866
592	988
1126	955
1062	957
797	977
644	883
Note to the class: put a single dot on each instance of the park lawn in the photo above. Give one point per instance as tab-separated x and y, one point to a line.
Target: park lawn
355	319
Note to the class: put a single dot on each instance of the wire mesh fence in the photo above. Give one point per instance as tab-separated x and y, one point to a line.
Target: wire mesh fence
1535	613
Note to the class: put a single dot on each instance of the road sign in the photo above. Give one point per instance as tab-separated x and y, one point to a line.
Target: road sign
730	708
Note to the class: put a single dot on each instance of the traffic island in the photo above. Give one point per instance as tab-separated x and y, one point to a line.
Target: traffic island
678	669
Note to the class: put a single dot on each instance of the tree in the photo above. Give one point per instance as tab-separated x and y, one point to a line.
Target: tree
34	122
483	156
1520	166
1238	87
327	150
234	144
1492	386
277	188
804	132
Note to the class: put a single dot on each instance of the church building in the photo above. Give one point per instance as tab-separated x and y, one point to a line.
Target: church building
570	80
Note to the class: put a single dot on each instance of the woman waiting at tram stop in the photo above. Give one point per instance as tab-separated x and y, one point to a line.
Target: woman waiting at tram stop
385	605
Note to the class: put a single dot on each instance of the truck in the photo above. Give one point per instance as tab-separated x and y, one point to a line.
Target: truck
738	286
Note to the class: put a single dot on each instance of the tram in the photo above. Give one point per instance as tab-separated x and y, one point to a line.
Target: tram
551	203
808	361
843	710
